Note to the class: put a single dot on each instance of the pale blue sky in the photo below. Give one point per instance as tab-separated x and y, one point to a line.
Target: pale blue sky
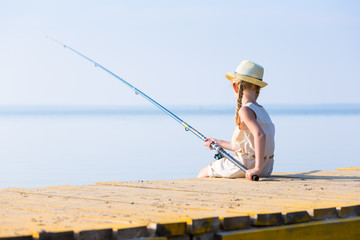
178	51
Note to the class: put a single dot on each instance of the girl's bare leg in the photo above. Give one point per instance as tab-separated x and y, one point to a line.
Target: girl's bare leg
204	172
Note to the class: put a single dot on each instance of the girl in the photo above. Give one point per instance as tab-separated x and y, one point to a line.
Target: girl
253	138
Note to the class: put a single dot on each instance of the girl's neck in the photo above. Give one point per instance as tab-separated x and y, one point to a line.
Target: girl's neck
249	96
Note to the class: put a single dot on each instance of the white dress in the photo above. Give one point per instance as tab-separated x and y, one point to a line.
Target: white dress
243	142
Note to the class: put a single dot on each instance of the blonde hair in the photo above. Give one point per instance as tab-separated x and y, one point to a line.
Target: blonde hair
242	86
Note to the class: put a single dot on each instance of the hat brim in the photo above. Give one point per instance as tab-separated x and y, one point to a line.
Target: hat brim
237	76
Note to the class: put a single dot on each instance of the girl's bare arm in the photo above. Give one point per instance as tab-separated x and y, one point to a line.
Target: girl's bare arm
249	118
221	143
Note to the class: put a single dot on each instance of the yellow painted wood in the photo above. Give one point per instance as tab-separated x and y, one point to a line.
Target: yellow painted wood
350	168
120	205
345	229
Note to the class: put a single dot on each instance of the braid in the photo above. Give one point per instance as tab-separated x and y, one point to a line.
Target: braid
239	103
242	86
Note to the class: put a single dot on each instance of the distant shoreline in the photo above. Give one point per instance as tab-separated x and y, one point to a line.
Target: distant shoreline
318	109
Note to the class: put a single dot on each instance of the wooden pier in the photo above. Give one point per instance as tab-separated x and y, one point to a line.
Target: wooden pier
302	205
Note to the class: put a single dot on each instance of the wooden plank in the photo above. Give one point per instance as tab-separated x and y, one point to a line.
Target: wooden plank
348	211
345	229
133	211
69	235
147	238
331	174
22	222
323	213
131	233
296	190
182	237
101	234
303	196
100	212
175	200
235	223
279	192
169	229
17	238
296	217
203	225
203	236
268	219
195	186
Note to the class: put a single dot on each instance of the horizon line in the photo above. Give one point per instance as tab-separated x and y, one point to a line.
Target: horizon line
273	109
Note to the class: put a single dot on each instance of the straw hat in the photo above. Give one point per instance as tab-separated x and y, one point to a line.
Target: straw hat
249	72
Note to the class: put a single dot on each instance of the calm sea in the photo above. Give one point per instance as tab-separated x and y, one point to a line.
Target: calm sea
47	145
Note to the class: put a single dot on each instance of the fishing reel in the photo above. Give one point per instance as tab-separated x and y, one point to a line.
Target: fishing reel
218	156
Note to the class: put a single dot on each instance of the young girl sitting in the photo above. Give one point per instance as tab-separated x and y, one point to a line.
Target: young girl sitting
253	138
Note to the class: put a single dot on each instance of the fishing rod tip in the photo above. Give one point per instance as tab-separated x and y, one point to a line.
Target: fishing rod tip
53	39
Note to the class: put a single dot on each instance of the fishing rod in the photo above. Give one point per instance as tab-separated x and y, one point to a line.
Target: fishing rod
220	150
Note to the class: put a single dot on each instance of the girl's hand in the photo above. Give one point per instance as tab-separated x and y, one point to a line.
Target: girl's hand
251	172
209	141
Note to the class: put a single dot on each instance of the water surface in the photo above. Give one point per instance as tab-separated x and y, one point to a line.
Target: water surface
58	148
